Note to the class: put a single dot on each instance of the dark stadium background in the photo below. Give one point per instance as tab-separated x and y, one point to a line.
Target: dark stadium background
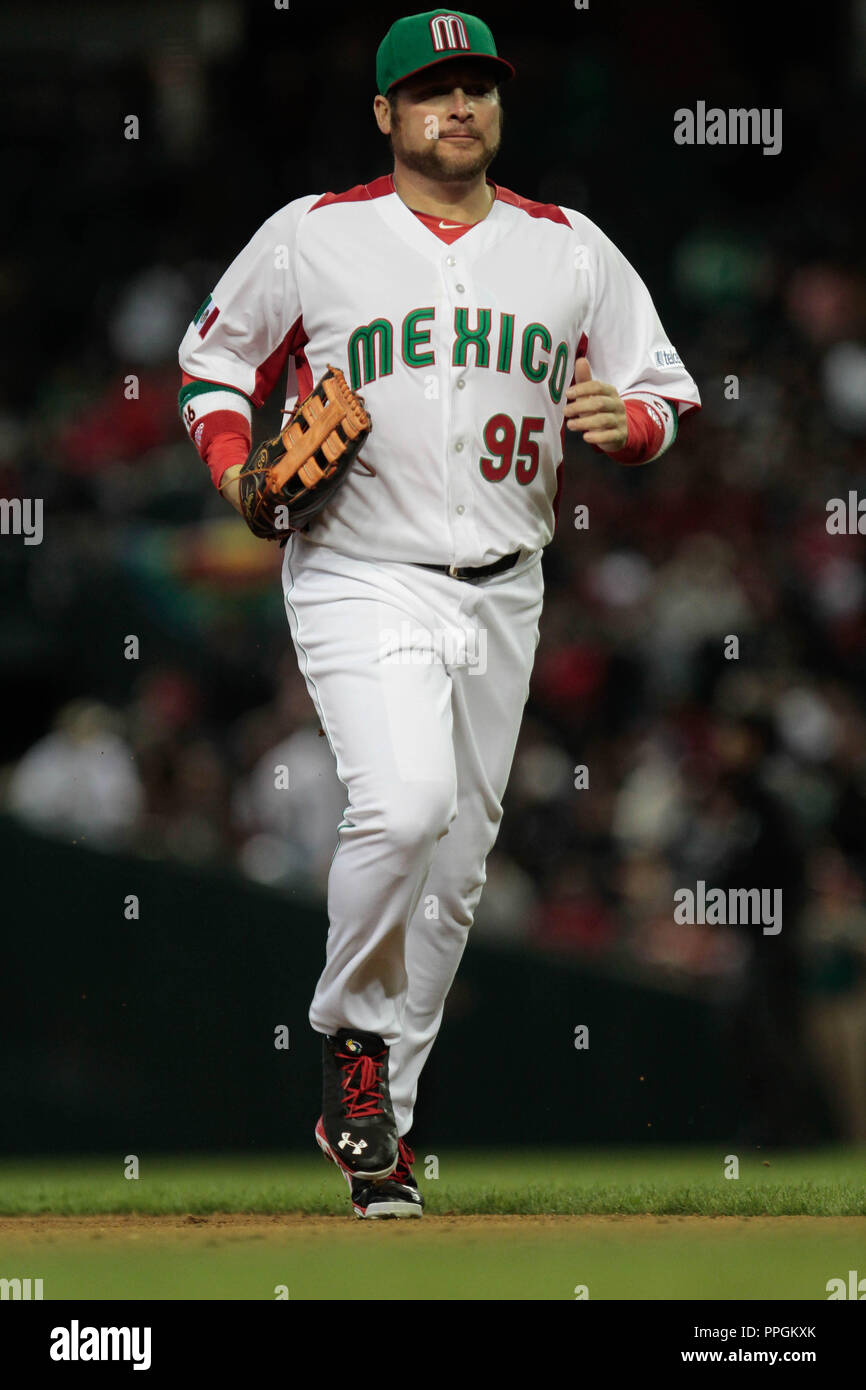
147	776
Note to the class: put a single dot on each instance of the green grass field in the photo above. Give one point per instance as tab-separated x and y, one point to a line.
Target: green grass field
678	1182
646	1224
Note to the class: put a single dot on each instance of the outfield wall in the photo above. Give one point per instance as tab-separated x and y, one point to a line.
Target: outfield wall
158	1033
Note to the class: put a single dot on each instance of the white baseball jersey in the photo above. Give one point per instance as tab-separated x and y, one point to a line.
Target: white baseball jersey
462	352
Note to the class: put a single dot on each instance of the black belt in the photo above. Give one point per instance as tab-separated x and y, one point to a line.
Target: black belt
472	575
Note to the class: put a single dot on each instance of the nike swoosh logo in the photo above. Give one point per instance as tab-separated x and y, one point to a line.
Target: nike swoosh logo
450	226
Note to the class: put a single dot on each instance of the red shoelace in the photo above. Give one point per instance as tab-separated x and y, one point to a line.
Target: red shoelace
361	1084
404	1162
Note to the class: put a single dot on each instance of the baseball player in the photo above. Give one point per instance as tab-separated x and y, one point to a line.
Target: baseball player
476	326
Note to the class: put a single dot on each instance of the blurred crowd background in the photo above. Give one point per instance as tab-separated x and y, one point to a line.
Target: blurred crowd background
747	772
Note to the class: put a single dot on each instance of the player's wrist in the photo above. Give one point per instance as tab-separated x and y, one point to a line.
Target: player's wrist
651	430
229	485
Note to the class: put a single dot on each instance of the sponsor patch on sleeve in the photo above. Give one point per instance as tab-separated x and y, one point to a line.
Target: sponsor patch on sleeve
667	357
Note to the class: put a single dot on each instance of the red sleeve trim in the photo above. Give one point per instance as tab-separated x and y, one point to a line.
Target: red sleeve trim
186	379
549	211
379	188
557	498
269	373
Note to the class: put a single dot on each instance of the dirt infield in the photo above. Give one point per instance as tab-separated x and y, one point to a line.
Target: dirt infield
233	1226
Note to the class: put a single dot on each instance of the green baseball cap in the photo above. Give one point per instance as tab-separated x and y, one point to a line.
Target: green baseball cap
421	40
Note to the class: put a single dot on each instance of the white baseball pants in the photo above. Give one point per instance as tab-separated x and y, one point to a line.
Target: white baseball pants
419	681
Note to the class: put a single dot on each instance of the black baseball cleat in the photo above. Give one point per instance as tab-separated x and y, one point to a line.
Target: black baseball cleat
393	1197
357	1128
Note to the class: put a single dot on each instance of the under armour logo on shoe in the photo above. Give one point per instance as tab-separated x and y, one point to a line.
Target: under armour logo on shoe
347	1139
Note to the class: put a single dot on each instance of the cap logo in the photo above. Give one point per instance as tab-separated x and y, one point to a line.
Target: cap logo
448	31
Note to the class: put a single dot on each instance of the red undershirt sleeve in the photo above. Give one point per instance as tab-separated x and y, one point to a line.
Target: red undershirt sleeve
652	428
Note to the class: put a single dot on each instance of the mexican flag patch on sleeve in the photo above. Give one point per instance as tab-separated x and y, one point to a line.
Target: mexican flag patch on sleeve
206	316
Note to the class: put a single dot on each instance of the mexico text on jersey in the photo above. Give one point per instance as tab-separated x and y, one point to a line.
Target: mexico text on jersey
463	352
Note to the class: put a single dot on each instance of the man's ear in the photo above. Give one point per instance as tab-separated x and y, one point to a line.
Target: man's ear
382	112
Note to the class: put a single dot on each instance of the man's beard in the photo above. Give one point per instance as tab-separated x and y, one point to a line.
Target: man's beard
429	162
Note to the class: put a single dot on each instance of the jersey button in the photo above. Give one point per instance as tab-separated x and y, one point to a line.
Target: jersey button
452	260
461	289
460	385
460	511
459	446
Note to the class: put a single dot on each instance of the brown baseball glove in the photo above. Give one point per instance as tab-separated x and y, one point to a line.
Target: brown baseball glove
287	481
